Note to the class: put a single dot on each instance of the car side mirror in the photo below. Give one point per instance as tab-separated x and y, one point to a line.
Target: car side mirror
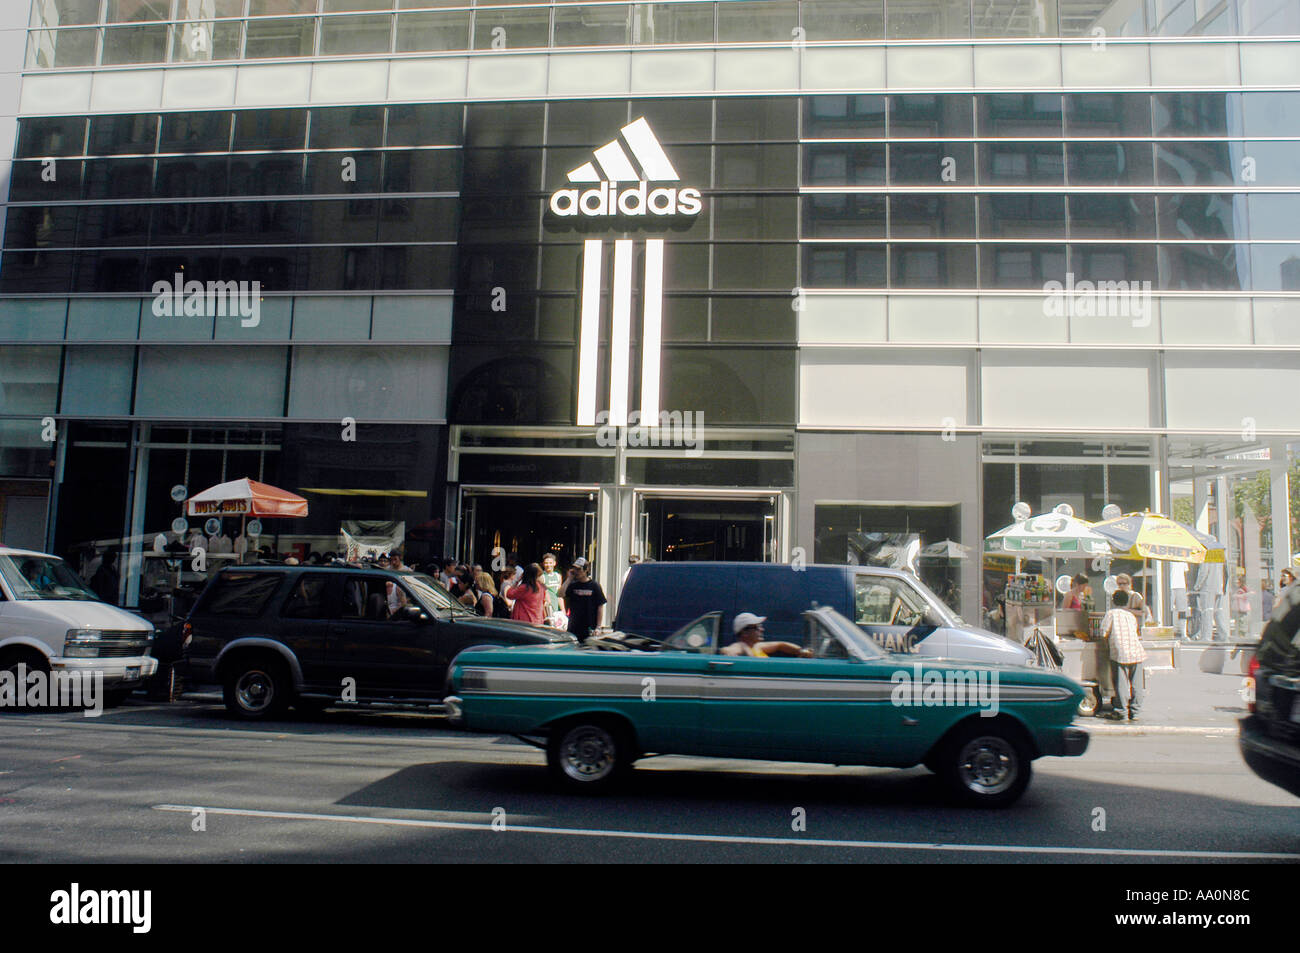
415	614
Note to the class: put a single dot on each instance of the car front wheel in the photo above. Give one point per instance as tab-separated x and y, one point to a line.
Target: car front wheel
986	767
589	756
256	689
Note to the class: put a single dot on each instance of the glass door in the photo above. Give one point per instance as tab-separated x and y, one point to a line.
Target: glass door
715	528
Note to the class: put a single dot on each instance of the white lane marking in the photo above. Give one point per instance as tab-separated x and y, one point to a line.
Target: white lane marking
725	838
1159	729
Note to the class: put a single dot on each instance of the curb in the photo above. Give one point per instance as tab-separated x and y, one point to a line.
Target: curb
1141	729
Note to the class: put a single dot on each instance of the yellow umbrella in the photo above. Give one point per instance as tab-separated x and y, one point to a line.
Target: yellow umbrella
1152	536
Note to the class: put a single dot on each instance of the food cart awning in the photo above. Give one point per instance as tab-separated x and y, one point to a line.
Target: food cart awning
1152	536
1052	535
245	497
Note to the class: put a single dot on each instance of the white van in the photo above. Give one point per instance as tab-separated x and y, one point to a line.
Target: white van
50	621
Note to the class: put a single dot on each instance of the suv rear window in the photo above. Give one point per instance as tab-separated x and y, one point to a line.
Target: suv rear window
239	593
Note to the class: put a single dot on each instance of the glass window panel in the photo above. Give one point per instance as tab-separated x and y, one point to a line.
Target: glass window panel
376	383
418	32
347	127
933	266
331	319
266	175
326	171
920	19
264	7
1013	18
1022	215
1270	18
677	120
98	380
1203	268
1003	115
930	116
122	135
932	216
34	226
196	132
276	38
41	138
1013	163
504	170
753	216
730	385
187	223
1275	267
134	11
768	20
165	263
844	19
1196	114
29	379
1273	163
844	215
512	29
344	35
258	129
1194	163
250	223
1021	266
29	181
122	224
763	167
62	49
844	266
748	120
135	44
844	164
119	179
338	268
483	267
109	270
346	6
580	25
686	266
1113	115
505	218
745	266
1204	216
206	40
844	117
1113	263
751	318
276	268
408	220
205	382
665	23
585	124
1271	114
932	163
341	220
1272	216
36	272
1112	216
64	12
686	318
416	268
184	177
431	124
504	124
1109	163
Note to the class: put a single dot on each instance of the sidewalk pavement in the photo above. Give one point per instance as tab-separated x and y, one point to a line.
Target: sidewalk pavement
1185	700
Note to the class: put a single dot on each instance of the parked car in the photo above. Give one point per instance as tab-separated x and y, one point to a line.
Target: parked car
50	621
851	703
312	636
1269	737
891	605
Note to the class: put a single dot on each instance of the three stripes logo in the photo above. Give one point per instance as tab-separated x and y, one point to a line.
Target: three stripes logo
612	165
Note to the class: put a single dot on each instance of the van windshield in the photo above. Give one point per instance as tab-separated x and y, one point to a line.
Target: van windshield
43	577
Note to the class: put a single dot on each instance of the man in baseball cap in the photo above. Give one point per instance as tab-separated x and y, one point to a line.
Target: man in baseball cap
749	634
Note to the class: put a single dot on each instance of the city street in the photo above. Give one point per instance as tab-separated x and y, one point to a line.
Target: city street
357	786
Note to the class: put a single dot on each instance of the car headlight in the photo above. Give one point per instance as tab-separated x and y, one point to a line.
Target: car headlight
82	643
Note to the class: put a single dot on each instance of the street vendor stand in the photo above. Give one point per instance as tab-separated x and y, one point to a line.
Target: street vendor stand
245	498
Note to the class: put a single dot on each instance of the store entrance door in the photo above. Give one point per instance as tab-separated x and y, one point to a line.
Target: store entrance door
693	528
527	523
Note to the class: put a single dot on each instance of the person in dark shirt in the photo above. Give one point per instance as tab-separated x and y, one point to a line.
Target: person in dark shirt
584	599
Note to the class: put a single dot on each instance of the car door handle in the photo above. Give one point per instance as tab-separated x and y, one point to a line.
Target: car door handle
720	664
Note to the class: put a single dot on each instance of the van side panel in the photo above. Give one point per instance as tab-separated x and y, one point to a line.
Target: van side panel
659	598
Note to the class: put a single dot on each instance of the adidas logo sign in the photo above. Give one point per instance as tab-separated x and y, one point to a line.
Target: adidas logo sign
606	199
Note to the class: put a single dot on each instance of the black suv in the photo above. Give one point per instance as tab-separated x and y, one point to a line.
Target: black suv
312	636
1270	737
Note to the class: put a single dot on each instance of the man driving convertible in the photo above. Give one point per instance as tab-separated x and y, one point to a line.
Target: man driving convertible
749	640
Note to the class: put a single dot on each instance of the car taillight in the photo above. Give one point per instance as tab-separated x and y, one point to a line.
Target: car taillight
1251	683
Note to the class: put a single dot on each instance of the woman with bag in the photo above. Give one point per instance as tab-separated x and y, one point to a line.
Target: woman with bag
529	596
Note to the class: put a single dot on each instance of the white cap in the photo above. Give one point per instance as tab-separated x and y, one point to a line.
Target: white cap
745	619
580	562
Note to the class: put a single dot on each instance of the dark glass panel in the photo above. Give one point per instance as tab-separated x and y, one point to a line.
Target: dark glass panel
1113	263
252	223
732	385
1014	163
340	220
1271	114
121	224
932	216
1106	215
266	129
841	164
415	267
342	36
931	116
1196	114
751	120
1202	268
503	170
422	170
196	132
42	138
1003	115
934	266
1112	115
280	38
932	163
266	175
347	127
1021	266
744	267
166	263
493	125
418	220
275	268
36	272
504	382
756	166
119	179
753	216
844	266
188	223
852	215
676	120
1206	216
425	124
504	218
1194	163
744	319
35	226
123	135
109	270
38	180
1022	215
338	173
1109	163
185	177
584	124
844	117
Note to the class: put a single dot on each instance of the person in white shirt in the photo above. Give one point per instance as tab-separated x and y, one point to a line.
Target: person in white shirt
1178	595
1126	657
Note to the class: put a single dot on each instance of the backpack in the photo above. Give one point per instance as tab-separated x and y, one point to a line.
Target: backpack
500	608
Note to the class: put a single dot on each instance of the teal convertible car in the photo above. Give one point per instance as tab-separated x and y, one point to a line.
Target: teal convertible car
596	711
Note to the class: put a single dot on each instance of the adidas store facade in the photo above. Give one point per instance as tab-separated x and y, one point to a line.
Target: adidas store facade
808	242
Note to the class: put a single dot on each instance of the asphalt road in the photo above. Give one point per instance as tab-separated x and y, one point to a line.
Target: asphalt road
352	786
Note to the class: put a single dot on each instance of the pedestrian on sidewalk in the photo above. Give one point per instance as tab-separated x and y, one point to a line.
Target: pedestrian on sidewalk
1126	658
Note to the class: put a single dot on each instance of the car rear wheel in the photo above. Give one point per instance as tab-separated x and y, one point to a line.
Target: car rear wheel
589	756
986	766
256	688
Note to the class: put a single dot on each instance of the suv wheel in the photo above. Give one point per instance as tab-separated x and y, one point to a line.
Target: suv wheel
986	766
256	688
589	756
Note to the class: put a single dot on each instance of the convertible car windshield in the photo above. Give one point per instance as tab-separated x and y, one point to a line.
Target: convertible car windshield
826	633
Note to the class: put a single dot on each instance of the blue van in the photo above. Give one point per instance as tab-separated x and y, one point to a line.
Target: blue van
891	605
